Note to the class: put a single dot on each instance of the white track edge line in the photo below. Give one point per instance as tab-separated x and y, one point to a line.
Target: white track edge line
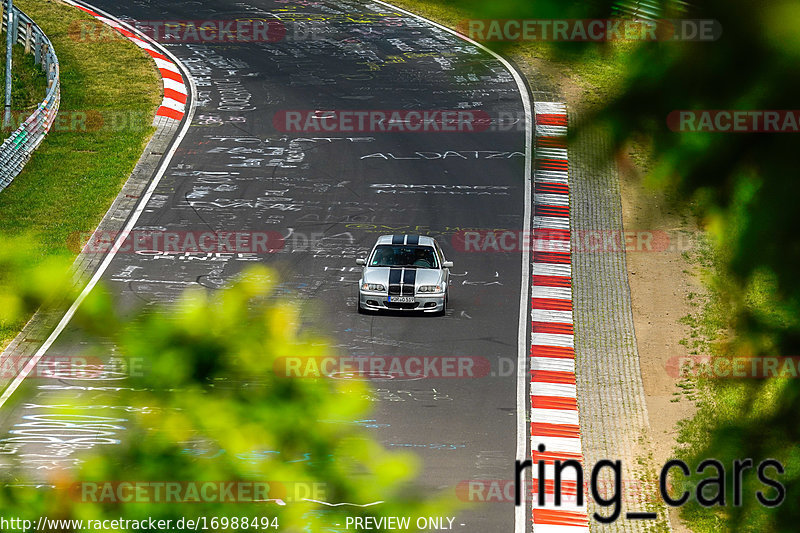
523	435
31	364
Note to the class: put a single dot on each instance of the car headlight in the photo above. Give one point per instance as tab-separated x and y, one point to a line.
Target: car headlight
430	288
373	287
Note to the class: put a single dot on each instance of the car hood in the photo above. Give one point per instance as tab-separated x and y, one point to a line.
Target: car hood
405	276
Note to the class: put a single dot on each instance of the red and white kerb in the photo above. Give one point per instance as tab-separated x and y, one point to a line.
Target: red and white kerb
174	103
554	406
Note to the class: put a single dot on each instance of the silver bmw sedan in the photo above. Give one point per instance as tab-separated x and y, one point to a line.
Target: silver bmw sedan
404	273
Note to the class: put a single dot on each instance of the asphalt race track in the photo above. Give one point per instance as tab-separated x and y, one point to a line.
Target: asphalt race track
330	195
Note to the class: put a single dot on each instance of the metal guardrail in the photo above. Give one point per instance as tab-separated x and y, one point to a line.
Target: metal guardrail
648	9
16	150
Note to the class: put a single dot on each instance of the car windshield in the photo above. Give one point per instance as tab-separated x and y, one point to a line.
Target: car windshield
392	255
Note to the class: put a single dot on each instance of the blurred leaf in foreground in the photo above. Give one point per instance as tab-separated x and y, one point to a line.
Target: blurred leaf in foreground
205	406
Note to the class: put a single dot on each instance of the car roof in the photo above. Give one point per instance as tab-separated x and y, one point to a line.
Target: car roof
422	240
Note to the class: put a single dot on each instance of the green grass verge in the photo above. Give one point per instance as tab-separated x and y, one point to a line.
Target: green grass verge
28	81
587	75
110	90
721	400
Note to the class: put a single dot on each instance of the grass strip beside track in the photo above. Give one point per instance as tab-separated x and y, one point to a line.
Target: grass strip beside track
28	82
110	90
587	76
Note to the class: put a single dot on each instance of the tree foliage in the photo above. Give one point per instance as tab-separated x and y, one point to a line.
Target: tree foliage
742	186
206	405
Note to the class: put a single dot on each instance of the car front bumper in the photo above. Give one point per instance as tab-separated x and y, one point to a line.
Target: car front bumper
376	301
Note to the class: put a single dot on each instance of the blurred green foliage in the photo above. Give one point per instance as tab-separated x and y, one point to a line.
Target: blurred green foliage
207	406
744	189
742	186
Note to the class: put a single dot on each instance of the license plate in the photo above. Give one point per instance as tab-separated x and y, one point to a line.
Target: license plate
401	299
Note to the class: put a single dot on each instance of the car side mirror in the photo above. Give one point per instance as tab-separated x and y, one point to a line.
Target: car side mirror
447	264
361	261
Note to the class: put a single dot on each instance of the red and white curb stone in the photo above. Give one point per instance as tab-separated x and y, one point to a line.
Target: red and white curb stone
554	404
174	103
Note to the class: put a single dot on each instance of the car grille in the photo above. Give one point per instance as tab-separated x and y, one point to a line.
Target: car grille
398	305
401	290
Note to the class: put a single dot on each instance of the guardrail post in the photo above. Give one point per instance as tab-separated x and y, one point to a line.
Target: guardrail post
15	25
28	31
9	44
37	49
